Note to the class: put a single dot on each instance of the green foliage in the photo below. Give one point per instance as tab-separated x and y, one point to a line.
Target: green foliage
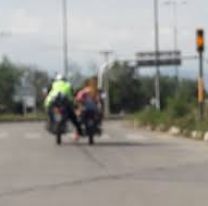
188	122
19	118
9	79
131	92
184	101
168	88
126	89
151	116
39	80
178	107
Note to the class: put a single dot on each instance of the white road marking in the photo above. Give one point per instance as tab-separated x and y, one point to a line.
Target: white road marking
32	136
136	137
105	137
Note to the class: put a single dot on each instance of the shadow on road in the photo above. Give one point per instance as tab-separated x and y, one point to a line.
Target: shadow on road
115	144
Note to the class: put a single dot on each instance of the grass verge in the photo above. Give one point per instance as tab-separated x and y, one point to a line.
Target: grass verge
188	122
21	118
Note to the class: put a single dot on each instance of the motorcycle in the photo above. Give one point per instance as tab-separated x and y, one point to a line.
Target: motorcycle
59	123
90	125
58	119
90	120
59	126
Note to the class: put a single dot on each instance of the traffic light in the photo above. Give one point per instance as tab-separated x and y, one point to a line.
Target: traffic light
200	40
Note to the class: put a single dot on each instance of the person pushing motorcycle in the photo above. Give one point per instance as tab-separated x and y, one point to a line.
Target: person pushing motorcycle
88	99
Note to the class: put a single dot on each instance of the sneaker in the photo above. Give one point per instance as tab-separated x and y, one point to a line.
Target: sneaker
76	137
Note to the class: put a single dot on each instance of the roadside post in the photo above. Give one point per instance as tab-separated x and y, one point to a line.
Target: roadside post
201	88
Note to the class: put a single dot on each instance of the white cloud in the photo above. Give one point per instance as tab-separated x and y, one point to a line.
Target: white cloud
22	22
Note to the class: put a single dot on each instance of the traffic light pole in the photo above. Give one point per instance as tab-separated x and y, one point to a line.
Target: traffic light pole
201	91
201	87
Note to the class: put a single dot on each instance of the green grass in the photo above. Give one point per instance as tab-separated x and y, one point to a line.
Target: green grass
188	122
151	117
19	118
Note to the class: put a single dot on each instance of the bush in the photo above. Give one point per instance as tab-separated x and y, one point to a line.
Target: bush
178	107
187	122
179	110
151	116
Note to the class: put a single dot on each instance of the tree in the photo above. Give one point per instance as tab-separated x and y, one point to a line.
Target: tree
9	79
39	80
130	92
124	88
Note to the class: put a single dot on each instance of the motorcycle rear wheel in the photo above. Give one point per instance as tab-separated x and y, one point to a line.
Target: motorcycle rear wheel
58	139
91	135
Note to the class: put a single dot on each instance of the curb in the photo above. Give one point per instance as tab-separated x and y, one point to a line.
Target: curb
174	131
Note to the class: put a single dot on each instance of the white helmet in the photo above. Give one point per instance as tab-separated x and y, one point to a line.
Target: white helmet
59	77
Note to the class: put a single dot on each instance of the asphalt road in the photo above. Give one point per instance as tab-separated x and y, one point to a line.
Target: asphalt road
126	167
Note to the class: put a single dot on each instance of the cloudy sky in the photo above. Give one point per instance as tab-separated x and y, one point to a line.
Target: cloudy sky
94	25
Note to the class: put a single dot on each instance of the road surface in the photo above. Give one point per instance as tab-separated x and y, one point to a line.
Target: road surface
126	168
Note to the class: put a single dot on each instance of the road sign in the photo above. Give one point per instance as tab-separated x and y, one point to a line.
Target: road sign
163	58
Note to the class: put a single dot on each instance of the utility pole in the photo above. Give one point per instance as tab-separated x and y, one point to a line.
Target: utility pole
175	5
65	38
175	13
157	55
201	86
201	90
106	55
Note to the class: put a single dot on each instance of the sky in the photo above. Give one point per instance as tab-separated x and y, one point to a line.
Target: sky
31	30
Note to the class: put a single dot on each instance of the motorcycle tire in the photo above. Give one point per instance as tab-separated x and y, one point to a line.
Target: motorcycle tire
90	135
91	139
58	139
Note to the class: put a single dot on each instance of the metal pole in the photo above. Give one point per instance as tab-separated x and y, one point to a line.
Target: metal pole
65	38
201	86
175	4
175	13
106	55
157	76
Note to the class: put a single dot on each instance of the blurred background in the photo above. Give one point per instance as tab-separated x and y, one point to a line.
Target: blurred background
32	49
